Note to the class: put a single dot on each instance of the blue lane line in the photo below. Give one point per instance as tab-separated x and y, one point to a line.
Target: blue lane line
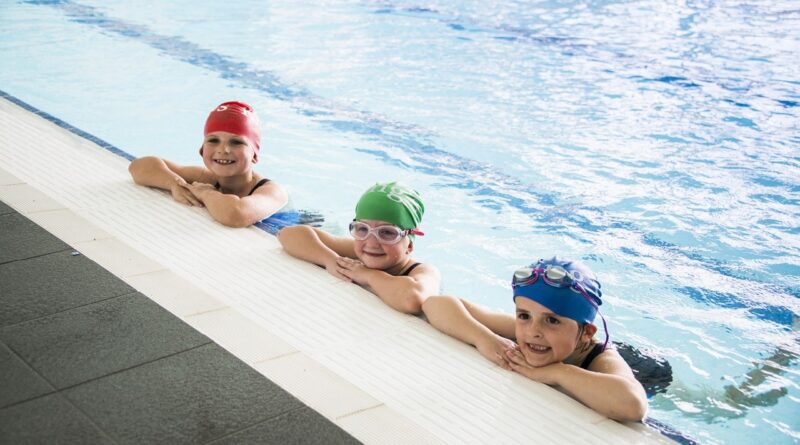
480	179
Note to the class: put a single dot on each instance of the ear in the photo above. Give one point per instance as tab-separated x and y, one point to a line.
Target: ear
410	247
255	156
589	330
201	151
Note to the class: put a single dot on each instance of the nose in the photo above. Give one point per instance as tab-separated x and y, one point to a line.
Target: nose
372	239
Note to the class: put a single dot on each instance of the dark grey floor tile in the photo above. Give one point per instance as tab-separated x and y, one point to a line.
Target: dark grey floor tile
20	238
94	340
47	420
192	397
4	208
300	427
18	381
71	281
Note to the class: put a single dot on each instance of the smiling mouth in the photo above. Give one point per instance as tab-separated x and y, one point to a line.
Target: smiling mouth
224	161
538	349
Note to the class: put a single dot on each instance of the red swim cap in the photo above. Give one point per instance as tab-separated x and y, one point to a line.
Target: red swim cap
237	118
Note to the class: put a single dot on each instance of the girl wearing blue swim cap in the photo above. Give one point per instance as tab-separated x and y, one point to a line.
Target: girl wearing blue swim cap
556	303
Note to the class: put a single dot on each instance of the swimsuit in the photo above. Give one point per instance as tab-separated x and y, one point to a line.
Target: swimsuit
596	350
258	184
655	374
408	271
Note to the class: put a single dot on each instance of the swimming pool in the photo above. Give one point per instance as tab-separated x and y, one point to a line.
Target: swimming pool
658	143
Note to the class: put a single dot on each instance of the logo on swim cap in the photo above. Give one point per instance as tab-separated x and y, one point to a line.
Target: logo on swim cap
392	202
237	118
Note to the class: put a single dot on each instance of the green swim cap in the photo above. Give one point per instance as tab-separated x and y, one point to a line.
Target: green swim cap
392	202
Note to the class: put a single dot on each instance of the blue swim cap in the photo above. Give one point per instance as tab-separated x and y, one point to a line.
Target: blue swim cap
574	295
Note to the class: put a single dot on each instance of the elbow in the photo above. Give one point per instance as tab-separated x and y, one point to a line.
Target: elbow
412	303
287	234
235	219
633	410
134	168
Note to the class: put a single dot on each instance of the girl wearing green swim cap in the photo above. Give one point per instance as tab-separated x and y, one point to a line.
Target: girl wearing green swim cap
378	256
556	302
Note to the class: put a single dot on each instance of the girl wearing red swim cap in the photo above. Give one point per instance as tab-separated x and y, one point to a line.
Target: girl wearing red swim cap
227	186
551	337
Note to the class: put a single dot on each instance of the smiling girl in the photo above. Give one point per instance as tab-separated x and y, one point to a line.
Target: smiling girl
556	302
378	256
227	186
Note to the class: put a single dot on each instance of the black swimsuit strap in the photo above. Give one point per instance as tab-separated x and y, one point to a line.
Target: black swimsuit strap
596	350
258	184
408	271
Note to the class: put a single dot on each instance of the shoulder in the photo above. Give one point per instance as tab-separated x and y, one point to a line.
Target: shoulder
425	271
270	189
610	362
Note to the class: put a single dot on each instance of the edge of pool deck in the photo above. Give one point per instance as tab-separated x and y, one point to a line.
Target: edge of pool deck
382	376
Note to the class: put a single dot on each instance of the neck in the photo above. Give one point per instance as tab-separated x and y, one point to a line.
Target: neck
239	185
581	351
398	268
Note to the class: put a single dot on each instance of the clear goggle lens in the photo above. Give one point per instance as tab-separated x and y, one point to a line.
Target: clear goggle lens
387	234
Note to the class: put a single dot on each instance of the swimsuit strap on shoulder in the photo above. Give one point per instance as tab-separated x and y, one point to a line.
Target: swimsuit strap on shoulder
408	271
258	184
596	350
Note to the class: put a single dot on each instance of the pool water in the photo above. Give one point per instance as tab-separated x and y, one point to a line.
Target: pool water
657	141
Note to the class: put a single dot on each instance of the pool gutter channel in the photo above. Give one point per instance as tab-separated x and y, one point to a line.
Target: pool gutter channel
382	376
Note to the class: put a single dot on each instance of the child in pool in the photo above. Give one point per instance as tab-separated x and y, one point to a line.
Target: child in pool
556	302
379	257
227	186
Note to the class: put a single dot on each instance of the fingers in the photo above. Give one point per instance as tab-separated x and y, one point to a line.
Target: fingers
514	356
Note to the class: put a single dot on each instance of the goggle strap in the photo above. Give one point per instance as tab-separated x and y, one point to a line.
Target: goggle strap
605	328
416	231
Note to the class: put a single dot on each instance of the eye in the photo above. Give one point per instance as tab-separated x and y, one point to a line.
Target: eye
212	140
552	320
361	230
237	142
387	233
523	316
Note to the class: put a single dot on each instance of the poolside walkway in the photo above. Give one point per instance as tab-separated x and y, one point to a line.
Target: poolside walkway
85	358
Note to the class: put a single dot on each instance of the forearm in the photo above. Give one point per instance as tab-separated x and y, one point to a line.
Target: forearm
225	208
404	294
449	315
614	396
302	242
153	172
498	322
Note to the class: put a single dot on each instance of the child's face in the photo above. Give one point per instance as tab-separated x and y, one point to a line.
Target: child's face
227	154
381	256
543	336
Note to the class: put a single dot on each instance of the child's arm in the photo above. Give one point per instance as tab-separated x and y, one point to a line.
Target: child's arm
608	386
160	173
316	246
403	293
467	322
233	211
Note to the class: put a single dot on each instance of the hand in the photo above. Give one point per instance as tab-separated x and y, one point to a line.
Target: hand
198	189
494	350
333	268
518	364
181	192
353	270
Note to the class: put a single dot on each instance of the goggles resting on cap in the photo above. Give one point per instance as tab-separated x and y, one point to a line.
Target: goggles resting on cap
557	276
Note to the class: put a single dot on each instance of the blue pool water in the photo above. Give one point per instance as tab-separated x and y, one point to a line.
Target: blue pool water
659	142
